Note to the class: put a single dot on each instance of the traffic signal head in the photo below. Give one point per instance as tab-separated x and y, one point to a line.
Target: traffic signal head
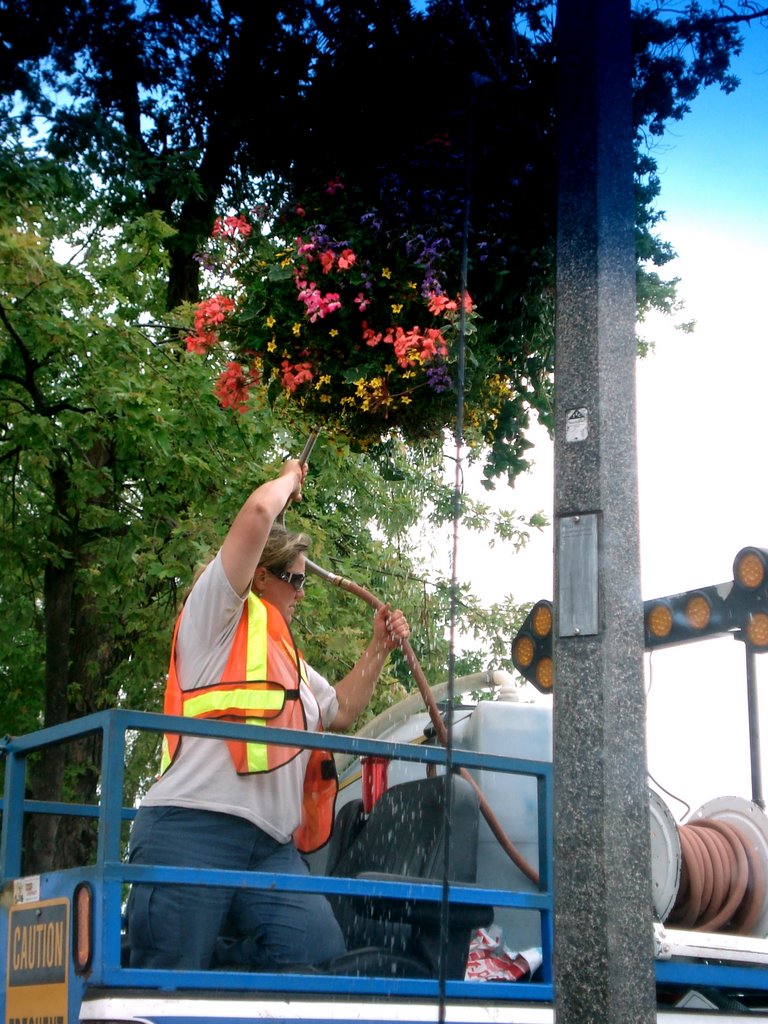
532	647
689	616
739	607
750	570
750	597
755	632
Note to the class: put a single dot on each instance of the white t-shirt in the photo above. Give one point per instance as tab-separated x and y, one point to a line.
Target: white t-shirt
202	775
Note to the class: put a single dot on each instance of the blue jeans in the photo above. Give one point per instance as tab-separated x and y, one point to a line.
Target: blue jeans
186	927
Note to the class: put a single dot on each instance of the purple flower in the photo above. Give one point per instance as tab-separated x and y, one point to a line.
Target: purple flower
438	378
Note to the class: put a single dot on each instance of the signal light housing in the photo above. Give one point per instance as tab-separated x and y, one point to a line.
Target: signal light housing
689	616
756	630
739	607
532	647
750	579
750	569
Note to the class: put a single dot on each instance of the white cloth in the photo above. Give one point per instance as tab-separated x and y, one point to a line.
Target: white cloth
202	775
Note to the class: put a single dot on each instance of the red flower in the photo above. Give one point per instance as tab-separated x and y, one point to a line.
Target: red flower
295	374
212	311
200	343
370	337
208	315
233	388
231	227
347	259
327	259
412	346
442	304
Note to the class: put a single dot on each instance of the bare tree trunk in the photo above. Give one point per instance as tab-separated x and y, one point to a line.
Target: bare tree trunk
47	771
79	658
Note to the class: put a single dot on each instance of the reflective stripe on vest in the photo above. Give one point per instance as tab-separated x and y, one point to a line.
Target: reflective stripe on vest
261	678
259	684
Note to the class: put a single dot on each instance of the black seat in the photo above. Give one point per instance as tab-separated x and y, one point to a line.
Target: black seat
403	839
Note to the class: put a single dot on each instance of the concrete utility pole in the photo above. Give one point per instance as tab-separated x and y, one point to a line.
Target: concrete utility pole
603	908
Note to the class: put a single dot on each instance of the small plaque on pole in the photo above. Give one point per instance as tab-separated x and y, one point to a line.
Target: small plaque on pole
578	591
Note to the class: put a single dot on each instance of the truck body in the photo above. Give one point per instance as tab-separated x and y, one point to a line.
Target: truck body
62	933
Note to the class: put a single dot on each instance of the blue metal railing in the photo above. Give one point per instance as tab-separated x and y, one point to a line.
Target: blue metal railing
112	873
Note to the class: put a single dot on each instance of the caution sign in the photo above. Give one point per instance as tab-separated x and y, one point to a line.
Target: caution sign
38	958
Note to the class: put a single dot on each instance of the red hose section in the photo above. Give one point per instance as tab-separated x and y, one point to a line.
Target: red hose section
722	880
437	720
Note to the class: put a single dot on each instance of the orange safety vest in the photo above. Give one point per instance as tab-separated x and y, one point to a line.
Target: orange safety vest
260	686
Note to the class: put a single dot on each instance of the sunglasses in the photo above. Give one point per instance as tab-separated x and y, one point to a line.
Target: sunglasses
297	580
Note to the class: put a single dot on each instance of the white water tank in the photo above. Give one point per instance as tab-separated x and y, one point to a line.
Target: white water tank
514	729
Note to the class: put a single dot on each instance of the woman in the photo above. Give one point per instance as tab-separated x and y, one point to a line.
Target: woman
237	805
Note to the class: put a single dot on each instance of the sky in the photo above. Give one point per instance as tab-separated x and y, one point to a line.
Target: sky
702	434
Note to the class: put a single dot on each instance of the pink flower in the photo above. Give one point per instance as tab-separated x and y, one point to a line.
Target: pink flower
334	186
362	302
318	305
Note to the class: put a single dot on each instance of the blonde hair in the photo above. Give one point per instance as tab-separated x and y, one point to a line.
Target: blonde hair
282	548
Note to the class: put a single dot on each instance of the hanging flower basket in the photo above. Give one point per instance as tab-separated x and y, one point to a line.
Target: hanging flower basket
357	323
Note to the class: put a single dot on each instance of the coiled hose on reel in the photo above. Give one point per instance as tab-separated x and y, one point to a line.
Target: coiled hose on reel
722	879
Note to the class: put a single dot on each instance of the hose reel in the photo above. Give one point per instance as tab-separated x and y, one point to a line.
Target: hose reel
711	873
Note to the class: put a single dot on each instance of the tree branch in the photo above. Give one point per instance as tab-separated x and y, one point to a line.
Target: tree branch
28	383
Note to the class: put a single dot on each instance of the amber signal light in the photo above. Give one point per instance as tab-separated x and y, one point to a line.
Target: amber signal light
532	647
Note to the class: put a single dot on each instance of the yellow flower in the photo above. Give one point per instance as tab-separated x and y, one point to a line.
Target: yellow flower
326	398
333	332
386	272
270	321
271	345
296	330
397	307
405	400
324	378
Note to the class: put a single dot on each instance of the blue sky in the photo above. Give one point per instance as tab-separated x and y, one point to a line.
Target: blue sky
716	159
